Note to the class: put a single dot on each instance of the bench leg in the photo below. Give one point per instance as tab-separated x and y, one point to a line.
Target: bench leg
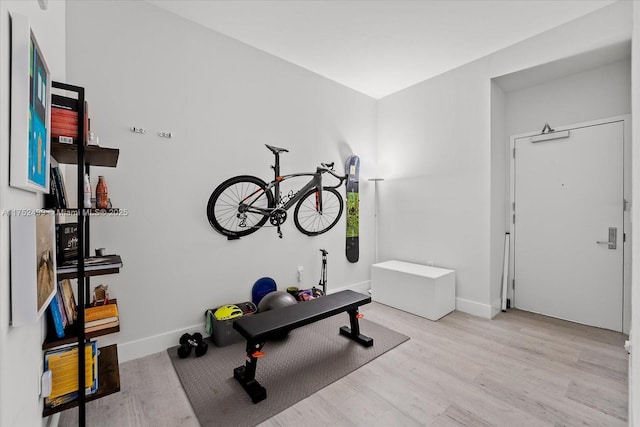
246	374
354	331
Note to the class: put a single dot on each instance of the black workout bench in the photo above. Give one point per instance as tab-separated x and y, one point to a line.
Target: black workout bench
259	328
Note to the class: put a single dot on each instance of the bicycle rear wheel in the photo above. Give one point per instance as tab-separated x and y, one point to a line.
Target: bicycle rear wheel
311	222
233	208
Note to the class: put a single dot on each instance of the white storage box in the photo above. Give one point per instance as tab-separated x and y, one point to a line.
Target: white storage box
419	289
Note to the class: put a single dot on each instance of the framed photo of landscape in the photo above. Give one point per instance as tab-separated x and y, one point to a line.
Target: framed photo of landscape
30	110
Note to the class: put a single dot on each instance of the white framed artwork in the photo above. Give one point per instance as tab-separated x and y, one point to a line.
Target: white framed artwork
33	264
30	110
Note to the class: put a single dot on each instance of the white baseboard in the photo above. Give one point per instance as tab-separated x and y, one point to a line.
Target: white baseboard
155	344
362	287
475	308
496	307
161	342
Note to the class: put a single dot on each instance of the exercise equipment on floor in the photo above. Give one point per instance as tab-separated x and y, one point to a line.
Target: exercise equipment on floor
218	322
277	300
189	342
308	294
274	300
226	312
261	288
313	293
264	326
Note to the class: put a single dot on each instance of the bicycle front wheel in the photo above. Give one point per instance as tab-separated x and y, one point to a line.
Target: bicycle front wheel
312	222
236	207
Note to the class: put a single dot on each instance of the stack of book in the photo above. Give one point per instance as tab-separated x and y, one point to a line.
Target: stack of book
91	263
101	317
63	309
63	364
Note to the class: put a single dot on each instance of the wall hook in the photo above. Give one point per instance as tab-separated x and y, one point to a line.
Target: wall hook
137	130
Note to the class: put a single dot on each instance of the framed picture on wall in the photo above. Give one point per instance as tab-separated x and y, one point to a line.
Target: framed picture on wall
33	264
30	110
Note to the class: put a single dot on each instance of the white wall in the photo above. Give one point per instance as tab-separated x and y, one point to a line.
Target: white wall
223	100
600	92
499	158
21	347
634	366
438	202
434	200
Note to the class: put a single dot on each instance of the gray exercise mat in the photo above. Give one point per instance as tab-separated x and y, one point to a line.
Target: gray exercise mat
309	359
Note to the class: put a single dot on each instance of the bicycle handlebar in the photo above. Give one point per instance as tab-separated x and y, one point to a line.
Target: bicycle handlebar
342	178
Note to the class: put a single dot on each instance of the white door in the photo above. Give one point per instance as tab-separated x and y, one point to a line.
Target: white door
568	230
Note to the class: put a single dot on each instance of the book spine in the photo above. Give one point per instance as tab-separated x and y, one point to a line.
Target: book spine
102	321
69	300
100	312
62	192
63	314
64	112
103	326
94	354
57	319
51	199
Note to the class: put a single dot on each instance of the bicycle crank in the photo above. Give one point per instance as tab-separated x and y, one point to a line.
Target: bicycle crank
277	218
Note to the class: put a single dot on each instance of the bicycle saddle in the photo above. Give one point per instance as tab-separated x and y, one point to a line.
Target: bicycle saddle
276	150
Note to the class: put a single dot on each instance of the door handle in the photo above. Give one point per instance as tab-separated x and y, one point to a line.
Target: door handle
613	237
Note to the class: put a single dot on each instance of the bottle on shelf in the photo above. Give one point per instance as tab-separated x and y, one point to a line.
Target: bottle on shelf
87	192
102	197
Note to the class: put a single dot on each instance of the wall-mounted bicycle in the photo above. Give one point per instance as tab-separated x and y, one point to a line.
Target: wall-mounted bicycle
242	204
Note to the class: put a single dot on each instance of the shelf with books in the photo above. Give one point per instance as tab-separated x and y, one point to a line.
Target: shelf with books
62	363
71	333
70	131
108	379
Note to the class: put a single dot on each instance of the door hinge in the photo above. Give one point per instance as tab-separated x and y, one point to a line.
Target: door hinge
513	283
514	218
514	152
626	205
624	237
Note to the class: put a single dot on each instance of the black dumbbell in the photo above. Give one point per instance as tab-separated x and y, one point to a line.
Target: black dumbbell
188	341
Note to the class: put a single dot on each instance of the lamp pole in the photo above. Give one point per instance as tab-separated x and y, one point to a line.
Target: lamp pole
375	213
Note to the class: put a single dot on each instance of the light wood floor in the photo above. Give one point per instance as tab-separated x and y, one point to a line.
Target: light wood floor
518	369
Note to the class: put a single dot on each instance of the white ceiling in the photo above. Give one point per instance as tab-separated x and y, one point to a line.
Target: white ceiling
380	47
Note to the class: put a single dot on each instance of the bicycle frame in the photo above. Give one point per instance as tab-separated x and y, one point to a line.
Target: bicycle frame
315	182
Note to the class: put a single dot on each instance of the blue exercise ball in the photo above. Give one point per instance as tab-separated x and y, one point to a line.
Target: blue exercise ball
276	299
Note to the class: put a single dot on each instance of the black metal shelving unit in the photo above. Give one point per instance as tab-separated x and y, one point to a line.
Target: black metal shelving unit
84	156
